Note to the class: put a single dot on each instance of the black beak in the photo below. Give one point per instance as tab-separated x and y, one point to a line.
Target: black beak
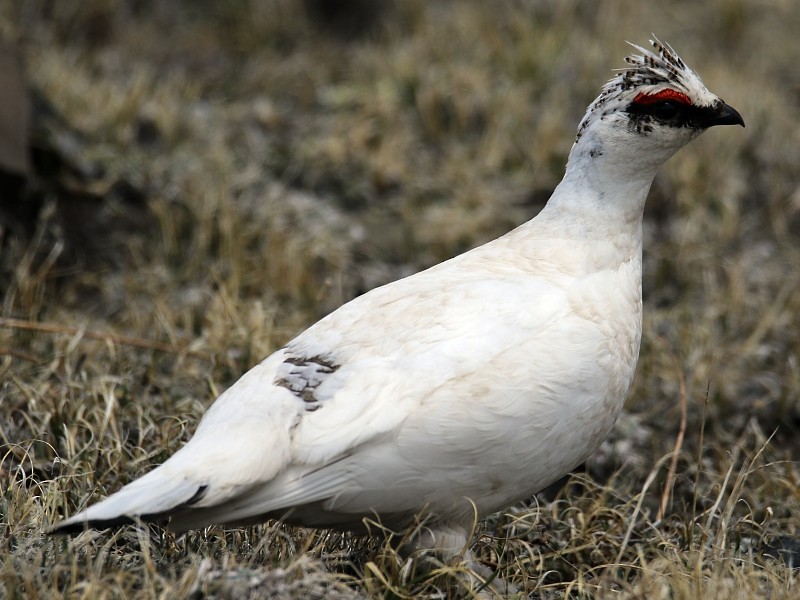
727	116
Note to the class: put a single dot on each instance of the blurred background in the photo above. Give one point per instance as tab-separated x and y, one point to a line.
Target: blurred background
210	177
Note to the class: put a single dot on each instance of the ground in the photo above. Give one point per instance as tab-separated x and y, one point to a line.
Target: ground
211	177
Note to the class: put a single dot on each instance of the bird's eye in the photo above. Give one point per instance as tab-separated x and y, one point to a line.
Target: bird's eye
665	109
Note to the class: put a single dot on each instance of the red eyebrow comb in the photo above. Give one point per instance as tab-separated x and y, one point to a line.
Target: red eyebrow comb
668	94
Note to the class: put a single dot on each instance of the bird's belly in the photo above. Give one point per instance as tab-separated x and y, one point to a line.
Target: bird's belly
495	440
493	431
547	411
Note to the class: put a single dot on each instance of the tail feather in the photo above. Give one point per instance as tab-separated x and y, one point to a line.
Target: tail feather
290	489
151	498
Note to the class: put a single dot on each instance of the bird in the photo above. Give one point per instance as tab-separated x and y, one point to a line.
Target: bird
463	389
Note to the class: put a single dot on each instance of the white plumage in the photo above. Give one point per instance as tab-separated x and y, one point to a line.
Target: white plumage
468	386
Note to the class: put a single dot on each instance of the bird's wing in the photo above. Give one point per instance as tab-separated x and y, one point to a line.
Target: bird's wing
358	392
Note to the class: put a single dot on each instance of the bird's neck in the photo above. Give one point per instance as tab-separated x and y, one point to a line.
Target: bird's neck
595	213
603	192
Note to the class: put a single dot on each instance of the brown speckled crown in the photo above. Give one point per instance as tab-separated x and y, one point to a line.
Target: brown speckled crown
647	72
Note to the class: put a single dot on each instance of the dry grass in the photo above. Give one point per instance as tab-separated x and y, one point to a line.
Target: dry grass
287	168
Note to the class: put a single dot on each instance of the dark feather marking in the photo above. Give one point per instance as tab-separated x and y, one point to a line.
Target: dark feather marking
302	375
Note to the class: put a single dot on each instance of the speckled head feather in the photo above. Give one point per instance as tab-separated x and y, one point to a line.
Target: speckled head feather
649	73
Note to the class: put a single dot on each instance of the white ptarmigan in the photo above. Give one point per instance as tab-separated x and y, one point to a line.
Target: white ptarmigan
465	387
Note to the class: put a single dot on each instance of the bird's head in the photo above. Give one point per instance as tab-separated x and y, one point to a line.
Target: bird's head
651	109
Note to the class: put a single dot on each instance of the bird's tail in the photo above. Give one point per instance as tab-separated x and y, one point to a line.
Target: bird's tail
152	497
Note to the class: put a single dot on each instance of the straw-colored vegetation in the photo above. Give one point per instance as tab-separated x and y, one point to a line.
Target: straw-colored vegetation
285	165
